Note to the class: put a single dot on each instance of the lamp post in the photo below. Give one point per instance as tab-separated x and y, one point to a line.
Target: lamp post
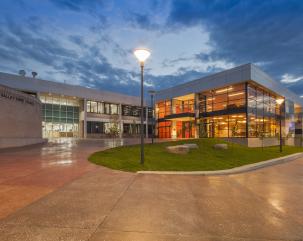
152	94
142	54
280	102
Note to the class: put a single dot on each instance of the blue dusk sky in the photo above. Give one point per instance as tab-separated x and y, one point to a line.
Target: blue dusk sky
90	42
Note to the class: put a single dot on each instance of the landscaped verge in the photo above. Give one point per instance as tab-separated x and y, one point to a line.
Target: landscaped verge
205	158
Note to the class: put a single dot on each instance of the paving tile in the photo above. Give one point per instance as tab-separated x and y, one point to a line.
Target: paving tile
13	198
234	212
104	235
76	205
38	233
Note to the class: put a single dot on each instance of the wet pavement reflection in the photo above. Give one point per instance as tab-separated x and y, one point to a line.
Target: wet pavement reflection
29	173
88	202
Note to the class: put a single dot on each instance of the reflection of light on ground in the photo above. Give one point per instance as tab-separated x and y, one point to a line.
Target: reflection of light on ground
277	204
275	196
60	162
58	152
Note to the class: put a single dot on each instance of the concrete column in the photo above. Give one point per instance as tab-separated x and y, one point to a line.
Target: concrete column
84	118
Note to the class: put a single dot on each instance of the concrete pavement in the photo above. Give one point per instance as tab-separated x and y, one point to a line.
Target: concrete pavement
29	173
103	204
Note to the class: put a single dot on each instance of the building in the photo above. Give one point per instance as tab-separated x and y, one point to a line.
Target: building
20	119
75	111
239	104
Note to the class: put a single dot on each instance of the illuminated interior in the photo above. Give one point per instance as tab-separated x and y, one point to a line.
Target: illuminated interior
241	110
60	116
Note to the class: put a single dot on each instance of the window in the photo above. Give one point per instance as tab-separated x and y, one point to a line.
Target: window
164	129
131	129
223	126
102	108
95	127
114	109
60	116
107	108
128	110
230	97
163	108
182	106
262	112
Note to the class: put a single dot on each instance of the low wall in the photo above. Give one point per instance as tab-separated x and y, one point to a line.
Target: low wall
256	142
20	119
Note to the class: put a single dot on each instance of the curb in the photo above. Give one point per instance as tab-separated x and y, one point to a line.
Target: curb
235	170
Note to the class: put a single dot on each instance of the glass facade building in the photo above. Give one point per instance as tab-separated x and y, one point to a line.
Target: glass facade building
240	110
241	103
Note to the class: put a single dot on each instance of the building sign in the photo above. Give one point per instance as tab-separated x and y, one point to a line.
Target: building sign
14	96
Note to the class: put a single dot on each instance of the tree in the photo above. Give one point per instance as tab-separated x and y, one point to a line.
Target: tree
114	129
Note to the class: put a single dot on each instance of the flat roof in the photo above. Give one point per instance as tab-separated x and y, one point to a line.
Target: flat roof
29	84
239	74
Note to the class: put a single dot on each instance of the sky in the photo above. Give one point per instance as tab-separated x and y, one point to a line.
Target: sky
91	42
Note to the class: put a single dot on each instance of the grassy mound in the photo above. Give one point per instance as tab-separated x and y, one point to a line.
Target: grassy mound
205	158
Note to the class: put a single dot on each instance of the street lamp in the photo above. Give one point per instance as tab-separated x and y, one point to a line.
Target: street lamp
280	102
142	54
152	94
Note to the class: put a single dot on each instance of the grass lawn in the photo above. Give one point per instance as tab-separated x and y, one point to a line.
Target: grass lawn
205	158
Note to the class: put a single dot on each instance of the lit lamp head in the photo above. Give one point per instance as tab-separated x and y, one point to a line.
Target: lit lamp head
142	54
280	101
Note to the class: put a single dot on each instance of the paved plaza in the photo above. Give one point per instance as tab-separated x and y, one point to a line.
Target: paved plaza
52	192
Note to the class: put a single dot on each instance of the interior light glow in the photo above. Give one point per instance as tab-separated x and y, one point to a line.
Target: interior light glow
224	90
279	101
235	94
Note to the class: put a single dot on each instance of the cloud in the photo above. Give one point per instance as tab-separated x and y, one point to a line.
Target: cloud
288	78
79	5
249	31
143	21
90	42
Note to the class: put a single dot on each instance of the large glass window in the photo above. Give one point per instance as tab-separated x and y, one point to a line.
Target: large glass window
230	97
114	109
131	129
163	108
263	112
183	106
94	127
164	129
223	126
102	108
60	116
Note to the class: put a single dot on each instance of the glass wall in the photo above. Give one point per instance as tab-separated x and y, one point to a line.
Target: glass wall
97	127
131	129
263	113
129	110
241	110
163	109
223	126
164	129
226	98
60	116
102	108
183	106
185	129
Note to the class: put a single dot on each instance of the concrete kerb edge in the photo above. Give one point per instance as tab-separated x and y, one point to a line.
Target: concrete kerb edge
235	170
